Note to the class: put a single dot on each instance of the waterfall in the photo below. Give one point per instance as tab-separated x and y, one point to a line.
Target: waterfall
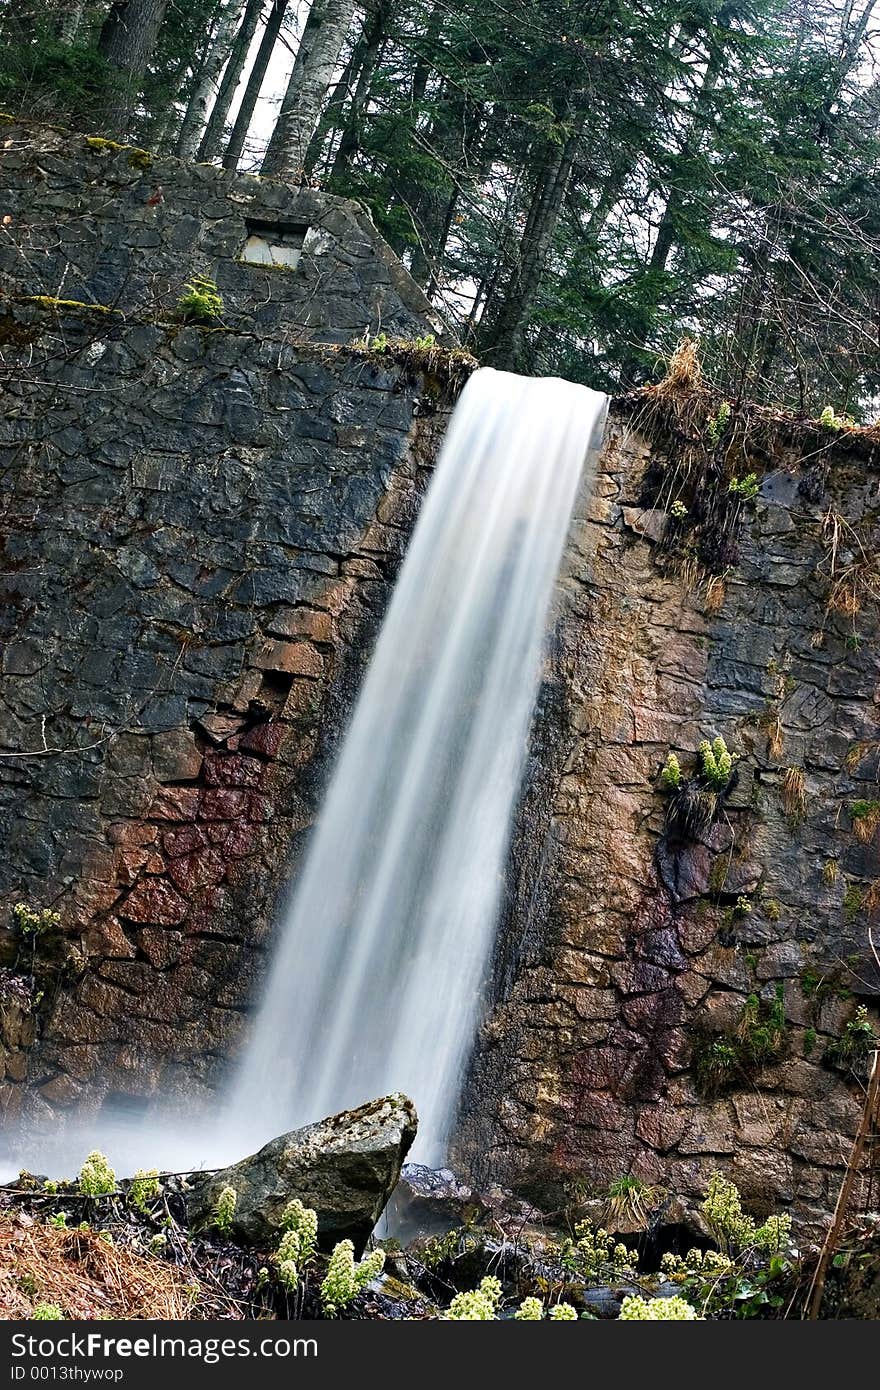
376	979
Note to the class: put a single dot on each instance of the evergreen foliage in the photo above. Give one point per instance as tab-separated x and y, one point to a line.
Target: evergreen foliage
576	187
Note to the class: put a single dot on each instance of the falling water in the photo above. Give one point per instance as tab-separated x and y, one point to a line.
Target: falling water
377	977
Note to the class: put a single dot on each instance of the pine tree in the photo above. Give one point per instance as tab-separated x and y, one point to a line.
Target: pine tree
320	46
242	123
207	78
212	138
127	40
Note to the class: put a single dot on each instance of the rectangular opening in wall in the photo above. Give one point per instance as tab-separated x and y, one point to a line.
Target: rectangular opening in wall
274	243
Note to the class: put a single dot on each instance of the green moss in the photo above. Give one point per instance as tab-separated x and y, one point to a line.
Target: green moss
772	910
855	1046
852	902
813	984
823	986
715	1063
201	301
725	1061
718	874
809	1041
48	1312
137	158
447	368
271	266
49	301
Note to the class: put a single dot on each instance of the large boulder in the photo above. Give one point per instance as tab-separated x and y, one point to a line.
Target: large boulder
345	1167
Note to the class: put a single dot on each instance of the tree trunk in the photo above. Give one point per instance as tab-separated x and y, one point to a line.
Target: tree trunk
374	41
254	83
213	136
504	342
162	135
127	40
320	46
424	66
206	83
331	118
455	138
71	20
609	193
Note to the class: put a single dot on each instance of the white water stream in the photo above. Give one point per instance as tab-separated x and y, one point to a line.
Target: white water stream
376	981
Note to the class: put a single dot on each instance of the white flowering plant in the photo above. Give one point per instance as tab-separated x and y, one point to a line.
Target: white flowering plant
224	1210
96	1177
634	1308
594	1253
480	1304
346	1277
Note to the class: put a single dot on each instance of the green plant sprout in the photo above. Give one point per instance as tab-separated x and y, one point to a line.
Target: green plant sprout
670	776
34	922
201	301
746	489
716	763
716	424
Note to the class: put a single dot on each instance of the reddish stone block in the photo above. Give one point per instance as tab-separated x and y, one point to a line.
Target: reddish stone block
241	840
131	833
154	900
185	841
265	738
160	946
312	623
207	908
259	807
176	804
233	770
292	658
193	871
234	841
107	940
220	803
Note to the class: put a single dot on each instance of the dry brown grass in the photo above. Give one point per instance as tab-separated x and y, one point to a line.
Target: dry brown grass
865	825
855	582
87	1277
683	372
716	592
794	793
830	872
775	739
858	752
871	900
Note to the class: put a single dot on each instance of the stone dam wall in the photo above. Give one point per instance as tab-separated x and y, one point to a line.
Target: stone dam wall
201	526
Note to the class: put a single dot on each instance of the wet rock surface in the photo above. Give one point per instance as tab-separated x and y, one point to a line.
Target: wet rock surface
201	529
427	1201
625	955
344	1167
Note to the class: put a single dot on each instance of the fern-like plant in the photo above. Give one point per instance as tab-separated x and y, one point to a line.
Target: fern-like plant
201	301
